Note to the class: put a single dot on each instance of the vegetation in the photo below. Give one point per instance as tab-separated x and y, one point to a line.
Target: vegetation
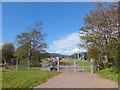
31	48
100	34
0	56
24	78
7	51
29	53
68	62
7	54
32	42
109	73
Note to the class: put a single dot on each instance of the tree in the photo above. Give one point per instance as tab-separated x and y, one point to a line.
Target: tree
21	54
100	32
0	56
7	53
36	59
34	38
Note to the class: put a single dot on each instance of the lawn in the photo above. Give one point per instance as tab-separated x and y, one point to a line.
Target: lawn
24	78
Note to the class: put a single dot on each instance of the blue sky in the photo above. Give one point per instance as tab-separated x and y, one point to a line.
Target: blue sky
61	22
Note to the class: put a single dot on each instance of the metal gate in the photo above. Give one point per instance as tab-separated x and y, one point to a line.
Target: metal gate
76	65
72	65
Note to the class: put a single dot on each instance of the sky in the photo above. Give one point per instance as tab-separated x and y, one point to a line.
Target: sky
61	22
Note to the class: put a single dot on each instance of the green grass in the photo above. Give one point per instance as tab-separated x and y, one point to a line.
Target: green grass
86	64
24	78
68	62
109	73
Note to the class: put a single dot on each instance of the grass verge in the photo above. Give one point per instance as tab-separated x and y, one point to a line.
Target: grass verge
108	73
24	78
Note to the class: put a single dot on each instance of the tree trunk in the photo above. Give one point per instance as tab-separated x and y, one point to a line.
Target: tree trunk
6	66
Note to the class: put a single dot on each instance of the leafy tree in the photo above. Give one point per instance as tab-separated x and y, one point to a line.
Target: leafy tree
7	52
100	32
34	38
0	56
36	58
21	52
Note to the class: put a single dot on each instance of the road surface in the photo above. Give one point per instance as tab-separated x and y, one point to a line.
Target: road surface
78	80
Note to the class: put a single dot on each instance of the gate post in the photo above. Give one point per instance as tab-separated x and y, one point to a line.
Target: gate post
74	65
76	56
58	65
91	67
82	64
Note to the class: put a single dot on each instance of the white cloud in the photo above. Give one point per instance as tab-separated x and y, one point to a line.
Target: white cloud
66	45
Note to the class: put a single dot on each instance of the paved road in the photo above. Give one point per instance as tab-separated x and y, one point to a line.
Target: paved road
77	80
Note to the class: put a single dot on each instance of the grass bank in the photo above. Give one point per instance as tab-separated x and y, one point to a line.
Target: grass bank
109	73
24	78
